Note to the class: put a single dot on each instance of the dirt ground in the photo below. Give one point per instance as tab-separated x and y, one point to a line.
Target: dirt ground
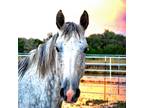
96	93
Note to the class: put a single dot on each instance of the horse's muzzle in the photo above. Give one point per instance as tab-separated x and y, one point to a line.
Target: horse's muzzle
70	95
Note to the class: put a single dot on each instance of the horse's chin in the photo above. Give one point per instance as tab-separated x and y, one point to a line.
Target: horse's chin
72	101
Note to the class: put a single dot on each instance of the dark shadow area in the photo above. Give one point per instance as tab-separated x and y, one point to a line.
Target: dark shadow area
95	101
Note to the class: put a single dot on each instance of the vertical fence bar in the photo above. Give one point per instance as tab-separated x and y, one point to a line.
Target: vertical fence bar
110	76
118	75
105	81
110	68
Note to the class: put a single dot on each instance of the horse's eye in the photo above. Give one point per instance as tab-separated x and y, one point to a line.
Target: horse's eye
57	49
86	49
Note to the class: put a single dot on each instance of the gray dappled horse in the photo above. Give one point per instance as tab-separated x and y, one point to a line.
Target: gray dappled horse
51	73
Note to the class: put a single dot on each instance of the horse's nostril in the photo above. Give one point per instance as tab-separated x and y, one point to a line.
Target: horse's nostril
77	93
62	92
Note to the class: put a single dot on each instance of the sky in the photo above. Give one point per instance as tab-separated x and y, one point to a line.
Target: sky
36	18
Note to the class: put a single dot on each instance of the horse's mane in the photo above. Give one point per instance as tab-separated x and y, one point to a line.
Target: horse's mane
43	57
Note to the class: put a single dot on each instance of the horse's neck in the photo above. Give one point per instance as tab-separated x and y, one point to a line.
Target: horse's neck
52	82
46	90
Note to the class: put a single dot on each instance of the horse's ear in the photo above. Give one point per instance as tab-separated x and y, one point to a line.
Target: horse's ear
60	20
84	20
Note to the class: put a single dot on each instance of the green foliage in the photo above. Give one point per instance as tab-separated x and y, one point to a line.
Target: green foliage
26	45
21	43
106	43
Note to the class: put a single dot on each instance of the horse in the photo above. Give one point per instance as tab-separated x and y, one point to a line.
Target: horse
51	73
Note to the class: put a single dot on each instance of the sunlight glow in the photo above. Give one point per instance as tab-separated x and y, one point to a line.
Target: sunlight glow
37	18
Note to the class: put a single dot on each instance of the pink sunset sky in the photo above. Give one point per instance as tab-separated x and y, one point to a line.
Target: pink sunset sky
109	14
37	18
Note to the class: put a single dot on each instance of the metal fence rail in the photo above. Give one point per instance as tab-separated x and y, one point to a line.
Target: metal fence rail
106	62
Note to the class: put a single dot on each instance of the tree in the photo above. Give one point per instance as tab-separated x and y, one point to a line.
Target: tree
21	44
26	45
105	43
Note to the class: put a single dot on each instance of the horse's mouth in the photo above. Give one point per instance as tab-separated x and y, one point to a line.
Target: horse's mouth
71	101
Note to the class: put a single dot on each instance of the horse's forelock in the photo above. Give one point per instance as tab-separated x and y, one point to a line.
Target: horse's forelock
70	28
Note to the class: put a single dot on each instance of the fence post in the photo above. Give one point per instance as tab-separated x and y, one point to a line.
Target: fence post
118	69
110	68
105	81
110	76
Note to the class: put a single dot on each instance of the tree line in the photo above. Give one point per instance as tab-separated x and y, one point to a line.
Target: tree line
105	43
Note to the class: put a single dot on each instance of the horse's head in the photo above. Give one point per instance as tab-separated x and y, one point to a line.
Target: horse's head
71	46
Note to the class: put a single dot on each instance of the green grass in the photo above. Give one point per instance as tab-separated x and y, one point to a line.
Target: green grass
119	104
